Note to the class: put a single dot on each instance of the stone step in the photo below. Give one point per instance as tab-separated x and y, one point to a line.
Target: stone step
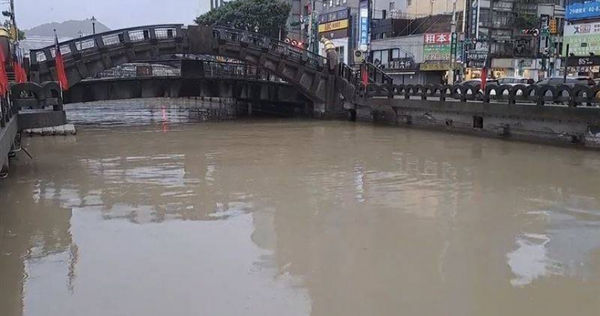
62	130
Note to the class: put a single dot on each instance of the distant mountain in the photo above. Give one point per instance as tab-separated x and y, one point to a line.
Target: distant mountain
69	29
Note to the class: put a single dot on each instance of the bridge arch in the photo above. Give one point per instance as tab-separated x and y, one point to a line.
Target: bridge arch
308	72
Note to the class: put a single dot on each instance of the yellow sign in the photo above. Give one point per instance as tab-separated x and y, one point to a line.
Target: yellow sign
437	66
333	26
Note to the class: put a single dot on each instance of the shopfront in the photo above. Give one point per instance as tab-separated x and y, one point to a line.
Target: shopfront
400	57
516	67
336	27
584	66
437	57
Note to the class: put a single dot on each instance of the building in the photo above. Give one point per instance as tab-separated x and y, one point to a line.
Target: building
514	37
415	50
581	41
299	19
420	8
348	24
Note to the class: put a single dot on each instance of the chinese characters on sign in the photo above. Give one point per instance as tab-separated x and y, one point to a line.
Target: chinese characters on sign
582	9
437	47
364	25
438	38
582	39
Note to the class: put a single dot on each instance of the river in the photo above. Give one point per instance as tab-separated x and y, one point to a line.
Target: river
293	217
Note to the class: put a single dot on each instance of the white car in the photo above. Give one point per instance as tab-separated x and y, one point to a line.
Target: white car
513	81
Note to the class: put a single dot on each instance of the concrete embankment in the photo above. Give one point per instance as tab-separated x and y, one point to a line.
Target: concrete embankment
549	124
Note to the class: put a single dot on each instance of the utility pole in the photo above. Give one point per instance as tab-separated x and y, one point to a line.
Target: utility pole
313	29
464	17
478	16
14	19
453	43
566	64
93	25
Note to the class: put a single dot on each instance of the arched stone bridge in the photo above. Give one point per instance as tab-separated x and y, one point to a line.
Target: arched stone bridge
327	87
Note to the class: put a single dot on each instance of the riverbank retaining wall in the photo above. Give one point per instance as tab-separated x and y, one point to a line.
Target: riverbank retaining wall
549	124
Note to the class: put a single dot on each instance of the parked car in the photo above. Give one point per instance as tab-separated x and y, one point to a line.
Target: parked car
513	81
476	82
571	81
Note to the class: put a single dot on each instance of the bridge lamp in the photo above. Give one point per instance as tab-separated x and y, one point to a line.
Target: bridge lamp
93	19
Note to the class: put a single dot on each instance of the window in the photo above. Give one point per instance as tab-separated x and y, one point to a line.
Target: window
340	51
385	57
376	56
395	53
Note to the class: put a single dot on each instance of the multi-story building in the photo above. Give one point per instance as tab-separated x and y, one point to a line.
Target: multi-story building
298	20
416	50
420	8
514	37
582	38
348	23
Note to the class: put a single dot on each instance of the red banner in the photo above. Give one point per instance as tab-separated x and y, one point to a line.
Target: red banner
60	67
3	75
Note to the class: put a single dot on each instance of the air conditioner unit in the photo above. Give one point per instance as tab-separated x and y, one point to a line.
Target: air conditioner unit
359	56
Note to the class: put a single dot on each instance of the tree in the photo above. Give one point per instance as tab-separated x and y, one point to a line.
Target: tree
268	17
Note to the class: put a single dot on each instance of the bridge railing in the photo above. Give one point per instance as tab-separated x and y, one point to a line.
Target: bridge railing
129	36
349	74
264	42
539	95
7	111
215	69
377	75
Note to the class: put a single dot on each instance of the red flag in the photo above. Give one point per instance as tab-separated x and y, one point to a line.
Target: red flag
364	73
20	74
3	75
483	79
60	66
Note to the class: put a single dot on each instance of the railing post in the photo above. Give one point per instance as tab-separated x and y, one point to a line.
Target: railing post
73	47
48	54
152	34
178	32
98	42
126	37
33	57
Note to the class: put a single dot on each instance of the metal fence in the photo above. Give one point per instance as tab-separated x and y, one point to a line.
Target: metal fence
523	94
107	39
215	69
273	46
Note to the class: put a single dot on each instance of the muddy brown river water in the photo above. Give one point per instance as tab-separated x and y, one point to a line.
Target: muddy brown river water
286	217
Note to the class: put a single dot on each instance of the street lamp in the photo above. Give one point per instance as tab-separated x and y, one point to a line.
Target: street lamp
93	25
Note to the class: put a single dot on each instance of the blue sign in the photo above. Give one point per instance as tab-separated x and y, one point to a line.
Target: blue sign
582	9
363	39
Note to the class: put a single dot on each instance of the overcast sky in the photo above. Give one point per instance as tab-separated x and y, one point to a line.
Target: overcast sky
113	13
